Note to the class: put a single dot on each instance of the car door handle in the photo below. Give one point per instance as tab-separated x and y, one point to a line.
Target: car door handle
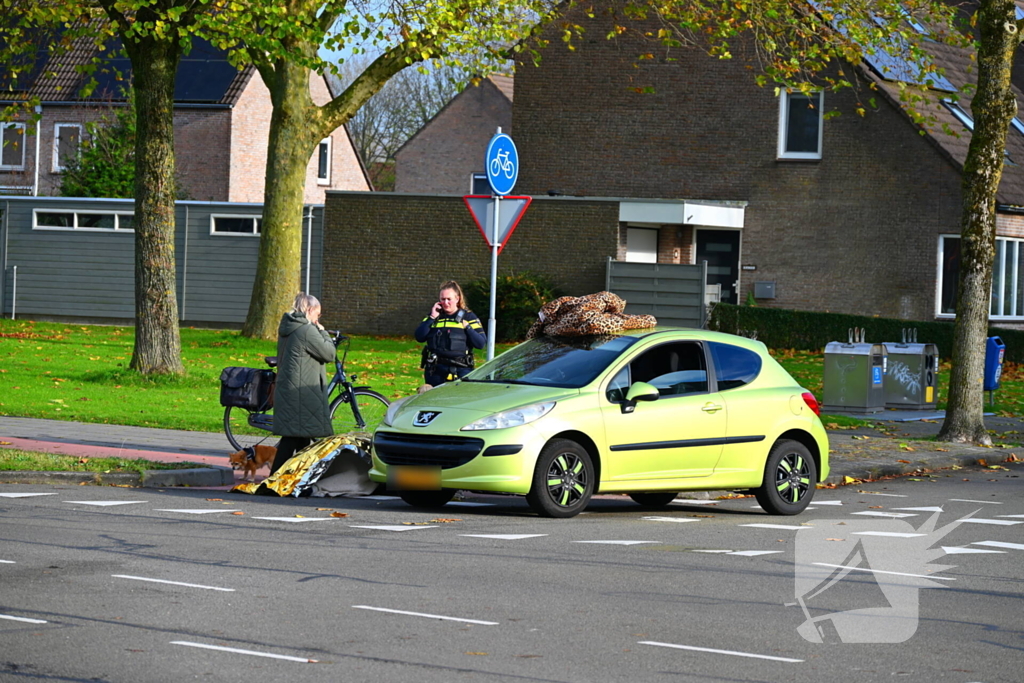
711	408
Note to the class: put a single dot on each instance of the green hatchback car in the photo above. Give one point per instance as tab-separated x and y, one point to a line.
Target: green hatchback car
648	413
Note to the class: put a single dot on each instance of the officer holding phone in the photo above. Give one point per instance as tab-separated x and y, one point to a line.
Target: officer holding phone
451	333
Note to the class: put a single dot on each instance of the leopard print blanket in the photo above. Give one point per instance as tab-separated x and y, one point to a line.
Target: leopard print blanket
575	316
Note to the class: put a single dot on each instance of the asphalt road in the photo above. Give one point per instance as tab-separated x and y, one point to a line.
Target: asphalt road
114	584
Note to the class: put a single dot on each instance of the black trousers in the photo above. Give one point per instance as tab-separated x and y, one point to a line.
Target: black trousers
286	448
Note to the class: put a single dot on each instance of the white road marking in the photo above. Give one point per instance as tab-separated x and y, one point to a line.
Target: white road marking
754	553
1014	516
27	621
719	652
195	511
891	534
297	519
670	519
392	527
105	503
879	571
469	504
428	616
999	522
618	542
687	501
712	551
775	526
926	509
875	493
959	550
244	652
1000	544
380	498
879	513
828	502
504	537
173	583
968	500
25	495
7	562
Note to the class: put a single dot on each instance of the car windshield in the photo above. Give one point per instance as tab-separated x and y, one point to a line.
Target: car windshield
570	362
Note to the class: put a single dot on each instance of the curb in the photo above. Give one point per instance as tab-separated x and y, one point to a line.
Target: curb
204	476
878	470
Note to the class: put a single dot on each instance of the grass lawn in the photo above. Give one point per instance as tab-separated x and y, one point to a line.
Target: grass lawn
12	460
79	373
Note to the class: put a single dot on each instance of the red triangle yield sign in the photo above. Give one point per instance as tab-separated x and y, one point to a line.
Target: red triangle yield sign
481	207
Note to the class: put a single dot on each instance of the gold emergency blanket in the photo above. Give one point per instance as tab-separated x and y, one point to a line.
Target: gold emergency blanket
300	473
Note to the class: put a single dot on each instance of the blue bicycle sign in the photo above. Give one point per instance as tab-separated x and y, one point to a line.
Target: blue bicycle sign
502	164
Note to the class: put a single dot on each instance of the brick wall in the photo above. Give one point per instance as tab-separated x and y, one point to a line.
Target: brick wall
202	153
385	255
441	156
854	232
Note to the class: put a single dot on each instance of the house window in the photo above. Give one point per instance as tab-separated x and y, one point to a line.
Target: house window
1007	277
82	220
961	115
66	138
323	164
235	225
800	119
13	156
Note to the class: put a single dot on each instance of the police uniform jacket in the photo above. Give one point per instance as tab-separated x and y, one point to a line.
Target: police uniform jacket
446	336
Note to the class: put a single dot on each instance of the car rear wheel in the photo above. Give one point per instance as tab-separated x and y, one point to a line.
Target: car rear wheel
790	476
427	499
563	480
658	499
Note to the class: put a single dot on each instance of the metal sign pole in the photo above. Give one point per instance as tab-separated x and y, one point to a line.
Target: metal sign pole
492	320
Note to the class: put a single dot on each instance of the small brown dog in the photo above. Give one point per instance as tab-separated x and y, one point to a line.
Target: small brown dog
251	459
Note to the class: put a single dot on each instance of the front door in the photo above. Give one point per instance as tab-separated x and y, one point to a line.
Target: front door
721	249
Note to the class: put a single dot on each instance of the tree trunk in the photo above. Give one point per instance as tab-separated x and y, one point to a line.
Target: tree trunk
294	134
994	107
157	340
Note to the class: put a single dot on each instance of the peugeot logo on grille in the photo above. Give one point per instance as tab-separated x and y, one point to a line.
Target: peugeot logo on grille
425	417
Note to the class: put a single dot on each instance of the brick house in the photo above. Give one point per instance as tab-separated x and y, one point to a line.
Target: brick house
443	155
221	126
854	214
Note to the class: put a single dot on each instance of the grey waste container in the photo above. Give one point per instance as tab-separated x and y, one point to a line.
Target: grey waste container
854	377
911	376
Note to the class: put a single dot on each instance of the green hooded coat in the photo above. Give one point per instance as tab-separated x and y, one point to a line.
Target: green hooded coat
300	399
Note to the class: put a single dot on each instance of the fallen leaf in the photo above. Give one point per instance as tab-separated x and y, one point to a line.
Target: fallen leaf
446	520
300	516
8	443
849	480
904	461
415	523
82	461
476	653
942	450
703	516
982	462
238	512
874	507
325	509
906	447
339	514
1012	457
217	499
835	539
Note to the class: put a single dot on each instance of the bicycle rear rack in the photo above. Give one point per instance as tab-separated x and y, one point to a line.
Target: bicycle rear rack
261	421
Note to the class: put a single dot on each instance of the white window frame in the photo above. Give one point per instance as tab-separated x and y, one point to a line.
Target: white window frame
57	168
960	113
326	180
245	216
24	137
1006	274
74	221
784	99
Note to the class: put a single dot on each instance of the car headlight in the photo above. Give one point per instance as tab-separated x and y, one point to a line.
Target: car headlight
392	410
511	418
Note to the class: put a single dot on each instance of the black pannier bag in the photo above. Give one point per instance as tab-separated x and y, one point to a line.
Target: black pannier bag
249	388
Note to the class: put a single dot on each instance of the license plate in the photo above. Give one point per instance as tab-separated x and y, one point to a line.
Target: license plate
414	478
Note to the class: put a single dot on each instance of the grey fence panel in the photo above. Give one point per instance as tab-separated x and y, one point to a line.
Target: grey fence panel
673	293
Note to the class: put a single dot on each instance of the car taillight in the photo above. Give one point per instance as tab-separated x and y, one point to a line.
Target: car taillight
811	402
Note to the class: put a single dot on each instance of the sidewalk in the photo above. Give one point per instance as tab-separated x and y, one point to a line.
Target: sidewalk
889	448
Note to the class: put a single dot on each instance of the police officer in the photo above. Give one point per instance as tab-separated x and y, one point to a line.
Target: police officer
451	333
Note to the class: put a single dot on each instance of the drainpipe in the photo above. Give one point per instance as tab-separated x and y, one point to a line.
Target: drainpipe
39	134
14	292
309	244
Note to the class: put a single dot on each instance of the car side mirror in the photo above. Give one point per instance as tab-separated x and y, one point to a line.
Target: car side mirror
639	391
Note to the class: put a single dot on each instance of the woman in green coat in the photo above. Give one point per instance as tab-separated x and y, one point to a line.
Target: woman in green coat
301	413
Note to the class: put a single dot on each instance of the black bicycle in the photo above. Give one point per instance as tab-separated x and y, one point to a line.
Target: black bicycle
363	411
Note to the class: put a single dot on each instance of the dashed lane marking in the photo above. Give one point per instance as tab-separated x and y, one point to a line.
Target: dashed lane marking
504	537
617	542
237	651
968	500
891	534
998	522
775	526
22	619
428	616
879	513
24	495
828	502
196	511
713	651
105	503
960	550
924	509
880	571
754	553
296	520
670	519
1000	544
392	527
173	583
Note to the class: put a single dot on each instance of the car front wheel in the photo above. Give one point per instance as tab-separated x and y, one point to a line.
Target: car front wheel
790	476
563	480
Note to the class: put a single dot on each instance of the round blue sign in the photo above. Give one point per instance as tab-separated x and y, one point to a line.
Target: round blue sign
502	164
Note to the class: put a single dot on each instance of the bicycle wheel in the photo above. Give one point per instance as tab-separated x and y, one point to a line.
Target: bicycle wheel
240	432
372	407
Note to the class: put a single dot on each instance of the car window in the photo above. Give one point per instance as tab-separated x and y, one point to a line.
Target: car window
734	366
570	362
676	369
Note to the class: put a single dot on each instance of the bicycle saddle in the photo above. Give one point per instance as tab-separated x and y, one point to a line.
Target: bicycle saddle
271	361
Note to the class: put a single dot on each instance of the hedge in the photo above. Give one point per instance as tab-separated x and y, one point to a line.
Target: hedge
804	330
